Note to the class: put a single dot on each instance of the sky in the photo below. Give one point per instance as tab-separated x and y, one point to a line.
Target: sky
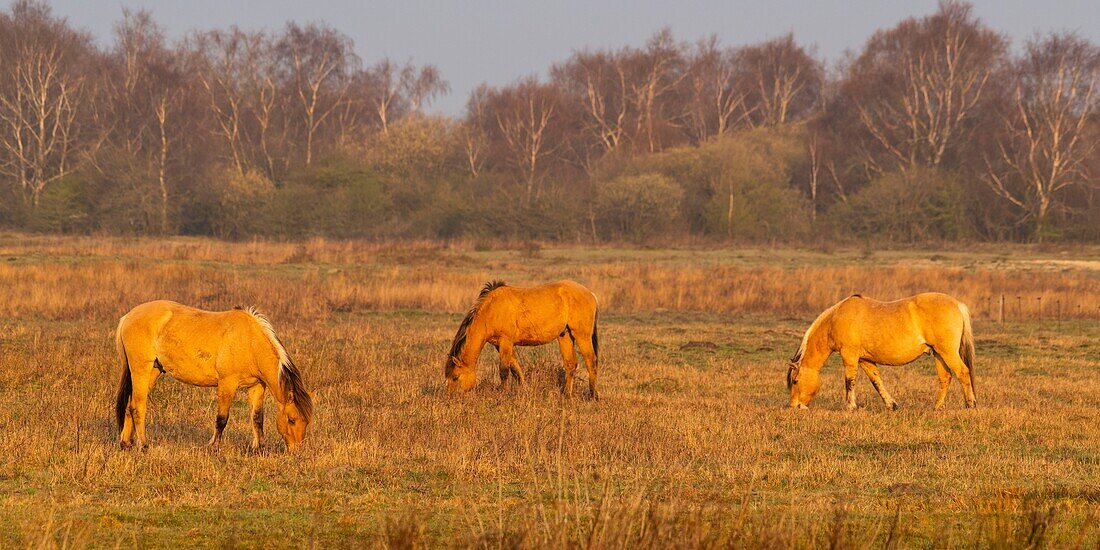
497	41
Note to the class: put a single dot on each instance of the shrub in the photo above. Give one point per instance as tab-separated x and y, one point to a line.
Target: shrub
637	207
913	206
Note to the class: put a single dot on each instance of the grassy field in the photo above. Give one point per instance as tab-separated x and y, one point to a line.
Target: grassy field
690	445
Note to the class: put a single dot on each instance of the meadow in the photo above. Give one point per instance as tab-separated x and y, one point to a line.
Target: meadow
690	445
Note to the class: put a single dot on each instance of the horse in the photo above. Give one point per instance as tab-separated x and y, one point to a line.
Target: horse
867	333
507	316
226	349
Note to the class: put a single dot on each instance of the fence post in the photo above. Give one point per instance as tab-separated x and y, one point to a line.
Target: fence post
1040	300
1001	310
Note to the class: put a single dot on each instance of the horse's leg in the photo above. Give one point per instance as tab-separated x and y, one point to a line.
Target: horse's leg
227	390
508	357
955	363
591	362
876	380
851	369
569	356
143	379
945	381
505	370
256	400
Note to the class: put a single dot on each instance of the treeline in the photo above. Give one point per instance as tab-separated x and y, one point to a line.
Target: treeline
936	130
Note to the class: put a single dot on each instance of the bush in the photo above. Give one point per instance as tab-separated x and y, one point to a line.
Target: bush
240	202
912	206
637	207
335	200
738	187
62	207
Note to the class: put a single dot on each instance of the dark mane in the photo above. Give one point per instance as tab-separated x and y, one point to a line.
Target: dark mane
460	336
792	369
797	356
290	378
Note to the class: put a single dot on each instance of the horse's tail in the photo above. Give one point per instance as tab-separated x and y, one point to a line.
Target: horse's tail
595	335
966	343
125	386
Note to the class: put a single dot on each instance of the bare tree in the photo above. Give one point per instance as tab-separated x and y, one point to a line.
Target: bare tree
423	85
147	105
715	102
223	58
43	96
915	88
474	138
599	81
1049	129
395	91
781	81
655	72
318	60
521	120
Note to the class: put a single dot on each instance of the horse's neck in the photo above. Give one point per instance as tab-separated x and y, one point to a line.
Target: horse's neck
818	347
475	340
274	386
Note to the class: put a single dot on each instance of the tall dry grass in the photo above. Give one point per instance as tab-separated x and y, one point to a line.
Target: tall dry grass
58	277
689	447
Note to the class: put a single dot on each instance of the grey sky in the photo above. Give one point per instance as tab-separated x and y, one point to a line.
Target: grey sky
496	41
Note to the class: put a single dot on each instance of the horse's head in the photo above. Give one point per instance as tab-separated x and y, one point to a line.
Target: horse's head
460	377
803	384
292	421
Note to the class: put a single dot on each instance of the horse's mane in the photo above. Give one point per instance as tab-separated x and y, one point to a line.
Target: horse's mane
460	336
290	378
813	328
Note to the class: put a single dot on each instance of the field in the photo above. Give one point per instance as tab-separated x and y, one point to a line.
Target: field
690	445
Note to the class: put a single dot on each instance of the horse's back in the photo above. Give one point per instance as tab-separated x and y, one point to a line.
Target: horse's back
540	313
896	332
572	290
188	341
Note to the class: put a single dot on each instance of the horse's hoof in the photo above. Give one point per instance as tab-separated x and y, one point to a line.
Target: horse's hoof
893	406
125	445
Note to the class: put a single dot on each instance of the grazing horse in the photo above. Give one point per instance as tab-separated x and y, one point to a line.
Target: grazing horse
867	333
226	349
507	316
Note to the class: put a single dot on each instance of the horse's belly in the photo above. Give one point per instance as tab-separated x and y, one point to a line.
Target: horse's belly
896	355
196	373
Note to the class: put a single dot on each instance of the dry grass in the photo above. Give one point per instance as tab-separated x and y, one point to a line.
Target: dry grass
689	447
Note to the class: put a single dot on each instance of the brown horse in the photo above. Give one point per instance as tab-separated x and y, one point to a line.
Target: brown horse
867	333
507	316
228	350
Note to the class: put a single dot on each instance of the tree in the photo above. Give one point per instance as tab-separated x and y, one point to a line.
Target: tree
148	102
394	91
45	97
1048	127
654	72
521	121
780	81
316	60
915	90
716	103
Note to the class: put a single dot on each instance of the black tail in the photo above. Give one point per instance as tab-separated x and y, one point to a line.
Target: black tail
595	337
125	388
